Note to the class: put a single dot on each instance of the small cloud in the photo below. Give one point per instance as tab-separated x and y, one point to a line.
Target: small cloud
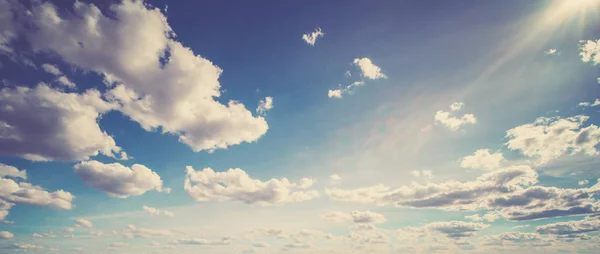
335	178
586	104
348	74
265	105
80	222
452	122
311	38
368	69
583	182
551	52
337	93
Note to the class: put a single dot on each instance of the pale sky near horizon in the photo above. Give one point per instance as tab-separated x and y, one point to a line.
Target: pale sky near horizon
299	126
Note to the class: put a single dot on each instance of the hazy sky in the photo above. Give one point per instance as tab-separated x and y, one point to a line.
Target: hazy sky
299	126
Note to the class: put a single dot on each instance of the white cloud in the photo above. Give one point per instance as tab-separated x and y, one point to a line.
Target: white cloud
264	105
335	178
311	38
452	122
8	27
80	222
482	159
155	212
368	69
235	184
489	217
134	232
551	52
589	104
338	93
589	51
201	241
551	137
118	180
63	80
43	235
570	227
52	69
119	244
177	97
6	235
583	182
456	229
10	171
44	124
367	217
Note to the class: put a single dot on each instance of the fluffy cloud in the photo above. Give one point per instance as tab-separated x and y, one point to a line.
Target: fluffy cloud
368	69
551	52
482	159
452	122
338	93
61	79
160	83
514	238
44	124
155	212
6	235
456	229
79	222
311	38
265	105
570	227
489	217
7	26
355	216
335	178
589	51
10	171
118	180
548	138
235	184
583	182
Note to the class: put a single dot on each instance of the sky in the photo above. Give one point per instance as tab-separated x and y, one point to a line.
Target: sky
131	126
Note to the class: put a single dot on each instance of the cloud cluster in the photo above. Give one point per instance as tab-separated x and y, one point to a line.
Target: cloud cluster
160	83
454	123
482	159
236	184
311	38
42	124
118	180
548	138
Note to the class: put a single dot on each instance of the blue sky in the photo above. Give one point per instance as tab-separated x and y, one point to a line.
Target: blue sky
282	126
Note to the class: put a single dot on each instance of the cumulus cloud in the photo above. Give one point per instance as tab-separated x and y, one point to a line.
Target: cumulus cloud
311	38
368	69
586	104
42	124
452	122
6	235
10	171
160	83
489	217
551	52
548	138
264	105
338	93
236	184
355	216
335	178
570	227
583	182
118	180
80	222
14	193
456	229
482	159
155	212
589	51
514	238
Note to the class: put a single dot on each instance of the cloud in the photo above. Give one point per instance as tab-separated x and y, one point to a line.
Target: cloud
489	217
454	123
589	104
338	93
134	232
80	222
6	235
583	182
514	239
155	212
43	124
264	105
482	159
160	83
43	235
118	244
13	193
456	229
368	69
201	241
589	51
10	171
311	38
355	216
61	79
335	178
551	52
118	180
235	184
548	138
570	227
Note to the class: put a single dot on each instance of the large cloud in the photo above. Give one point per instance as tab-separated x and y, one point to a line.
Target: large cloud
236	184
45	124
547	138
161	84
570	227
10	171
118	180
506	190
